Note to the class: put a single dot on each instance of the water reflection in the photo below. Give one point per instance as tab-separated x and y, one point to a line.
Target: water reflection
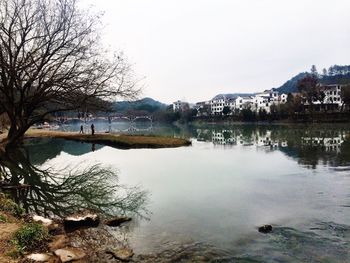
310	147
50	191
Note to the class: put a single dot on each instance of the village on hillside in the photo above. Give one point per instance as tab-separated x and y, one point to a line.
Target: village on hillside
230	104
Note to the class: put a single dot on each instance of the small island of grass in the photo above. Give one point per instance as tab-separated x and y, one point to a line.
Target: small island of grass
114	140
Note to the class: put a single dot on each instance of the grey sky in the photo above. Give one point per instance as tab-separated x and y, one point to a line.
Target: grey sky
195	49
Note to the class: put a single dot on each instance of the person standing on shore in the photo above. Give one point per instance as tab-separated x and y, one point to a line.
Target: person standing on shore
81	129
92	129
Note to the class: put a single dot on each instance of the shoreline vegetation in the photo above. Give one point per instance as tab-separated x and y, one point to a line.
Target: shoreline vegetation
32	238
121	141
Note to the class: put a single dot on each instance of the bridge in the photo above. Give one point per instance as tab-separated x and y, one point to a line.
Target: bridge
111	118
132	119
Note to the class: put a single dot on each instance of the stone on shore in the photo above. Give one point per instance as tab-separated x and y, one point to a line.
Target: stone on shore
81	221
123	254
70	254
265	229
117	221
39	257
43	220
59	241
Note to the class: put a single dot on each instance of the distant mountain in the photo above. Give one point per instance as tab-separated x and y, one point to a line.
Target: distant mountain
148	105
232	95
292	84
335	75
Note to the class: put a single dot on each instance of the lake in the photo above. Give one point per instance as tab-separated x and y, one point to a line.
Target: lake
206	201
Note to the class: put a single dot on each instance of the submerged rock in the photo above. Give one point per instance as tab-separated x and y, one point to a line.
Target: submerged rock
80	221
70	254
265	229
117	221
123	254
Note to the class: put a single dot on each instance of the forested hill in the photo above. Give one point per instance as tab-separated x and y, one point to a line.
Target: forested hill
334	75
148	105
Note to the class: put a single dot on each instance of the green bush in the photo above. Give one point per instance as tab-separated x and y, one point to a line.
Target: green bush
3	219
30	237
9	206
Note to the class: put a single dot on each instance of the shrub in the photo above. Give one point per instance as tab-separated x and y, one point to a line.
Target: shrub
30	237
3	219
9	206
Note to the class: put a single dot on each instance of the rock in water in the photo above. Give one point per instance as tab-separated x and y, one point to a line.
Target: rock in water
70	254
117	221
79	221
265	229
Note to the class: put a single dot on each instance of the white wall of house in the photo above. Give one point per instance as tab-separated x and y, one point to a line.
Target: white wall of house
180	105
283	98
333	94
217	105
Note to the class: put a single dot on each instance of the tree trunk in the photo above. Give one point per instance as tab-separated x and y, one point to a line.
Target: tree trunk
16	134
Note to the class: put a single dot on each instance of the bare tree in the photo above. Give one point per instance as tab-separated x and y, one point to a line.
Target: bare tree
51	60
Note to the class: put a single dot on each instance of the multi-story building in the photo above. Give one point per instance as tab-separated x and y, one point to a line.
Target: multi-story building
220	101
244	102
332	94
332	98
282	98
203	108
180	105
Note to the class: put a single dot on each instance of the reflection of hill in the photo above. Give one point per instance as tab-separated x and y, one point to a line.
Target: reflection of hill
44	149
78	148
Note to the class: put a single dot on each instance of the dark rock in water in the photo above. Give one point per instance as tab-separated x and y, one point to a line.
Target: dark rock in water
265	229
117	221
74	222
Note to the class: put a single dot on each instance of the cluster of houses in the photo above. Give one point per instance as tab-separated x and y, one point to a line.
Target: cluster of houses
234	103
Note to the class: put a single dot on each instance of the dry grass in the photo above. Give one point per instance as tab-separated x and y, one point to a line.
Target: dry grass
114	140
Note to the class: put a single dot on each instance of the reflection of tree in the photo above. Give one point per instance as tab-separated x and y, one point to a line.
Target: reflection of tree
69	190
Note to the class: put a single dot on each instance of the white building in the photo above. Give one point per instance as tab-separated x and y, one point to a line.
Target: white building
332	94
283	98
180	105
220	101
332	97
244	102
203	108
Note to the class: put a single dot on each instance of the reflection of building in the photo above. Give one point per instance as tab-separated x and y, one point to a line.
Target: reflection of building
223	137
234	137
329	143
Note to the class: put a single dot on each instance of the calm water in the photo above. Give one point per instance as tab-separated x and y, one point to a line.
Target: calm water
206	201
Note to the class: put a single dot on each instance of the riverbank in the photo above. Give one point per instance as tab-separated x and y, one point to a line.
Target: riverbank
121	141
300	118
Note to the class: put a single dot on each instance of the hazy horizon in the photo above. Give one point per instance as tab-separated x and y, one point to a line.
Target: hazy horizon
193	50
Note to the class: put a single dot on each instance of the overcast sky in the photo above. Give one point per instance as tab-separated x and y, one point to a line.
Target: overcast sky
195	49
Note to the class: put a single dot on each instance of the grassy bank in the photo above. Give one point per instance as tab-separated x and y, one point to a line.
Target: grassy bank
113	140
